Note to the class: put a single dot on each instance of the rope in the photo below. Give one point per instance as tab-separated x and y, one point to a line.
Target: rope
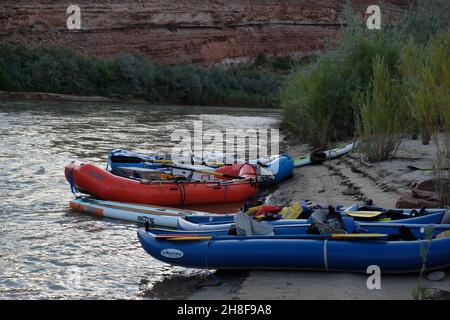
184	194
72	183
182	190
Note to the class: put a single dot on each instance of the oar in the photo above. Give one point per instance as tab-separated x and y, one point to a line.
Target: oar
425	169
219	174
171	161
337	236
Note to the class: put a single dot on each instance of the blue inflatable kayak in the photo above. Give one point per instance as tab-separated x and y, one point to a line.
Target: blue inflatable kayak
411	216
301	251
301	228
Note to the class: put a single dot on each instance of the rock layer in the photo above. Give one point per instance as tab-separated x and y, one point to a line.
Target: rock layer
174	31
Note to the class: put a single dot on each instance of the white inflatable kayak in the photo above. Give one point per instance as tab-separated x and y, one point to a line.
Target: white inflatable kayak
155	215
325	155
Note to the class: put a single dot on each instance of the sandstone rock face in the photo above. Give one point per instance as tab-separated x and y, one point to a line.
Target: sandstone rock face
175	31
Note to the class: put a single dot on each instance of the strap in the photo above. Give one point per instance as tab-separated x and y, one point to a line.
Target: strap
72	183
325	254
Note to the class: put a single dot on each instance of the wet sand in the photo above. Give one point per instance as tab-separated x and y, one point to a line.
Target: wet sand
343	181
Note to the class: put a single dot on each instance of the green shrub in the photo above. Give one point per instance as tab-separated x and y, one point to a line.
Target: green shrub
283	63
319	100
380	113
261	59
426	80
312	100
422	20
62	70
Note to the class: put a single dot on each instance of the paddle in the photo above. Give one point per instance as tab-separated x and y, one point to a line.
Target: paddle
338	236
425	169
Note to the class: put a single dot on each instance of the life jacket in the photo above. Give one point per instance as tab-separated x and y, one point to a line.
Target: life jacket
331	222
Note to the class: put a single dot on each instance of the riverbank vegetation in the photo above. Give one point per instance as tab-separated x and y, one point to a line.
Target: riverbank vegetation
377	85
63	70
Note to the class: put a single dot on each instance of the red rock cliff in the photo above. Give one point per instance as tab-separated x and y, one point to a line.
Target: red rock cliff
173	31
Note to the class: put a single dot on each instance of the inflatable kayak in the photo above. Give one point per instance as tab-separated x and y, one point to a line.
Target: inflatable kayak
318	157
192	224
350	253
190	220
155	215
358	213
90	179
293	228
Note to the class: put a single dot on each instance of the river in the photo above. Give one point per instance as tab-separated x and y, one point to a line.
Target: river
48	251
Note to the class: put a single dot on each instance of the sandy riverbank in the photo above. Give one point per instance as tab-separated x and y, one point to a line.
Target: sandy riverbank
341	181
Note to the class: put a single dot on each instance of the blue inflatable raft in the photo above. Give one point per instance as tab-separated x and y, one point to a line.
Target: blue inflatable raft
301	251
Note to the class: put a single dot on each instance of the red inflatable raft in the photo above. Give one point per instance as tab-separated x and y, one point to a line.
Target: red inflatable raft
90	179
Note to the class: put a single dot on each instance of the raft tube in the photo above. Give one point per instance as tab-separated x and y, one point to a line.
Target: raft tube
90	179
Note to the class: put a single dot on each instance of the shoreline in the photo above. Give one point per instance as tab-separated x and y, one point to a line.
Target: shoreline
49	96
345	180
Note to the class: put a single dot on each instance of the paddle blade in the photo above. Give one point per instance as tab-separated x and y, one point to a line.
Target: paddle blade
363	214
